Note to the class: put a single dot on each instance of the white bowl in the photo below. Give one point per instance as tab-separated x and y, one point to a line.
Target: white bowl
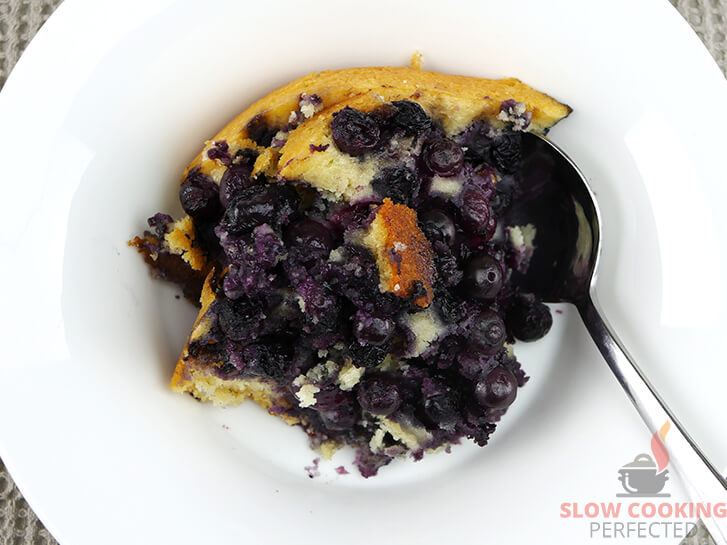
111	101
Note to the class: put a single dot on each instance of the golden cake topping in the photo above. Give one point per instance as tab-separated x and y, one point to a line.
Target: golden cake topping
403	254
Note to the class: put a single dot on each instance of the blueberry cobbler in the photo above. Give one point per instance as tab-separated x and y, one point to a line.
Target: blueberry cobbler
342	238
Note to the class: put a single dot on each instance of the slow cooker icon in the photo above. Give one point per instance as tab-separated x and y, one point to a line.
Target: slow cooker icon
641	479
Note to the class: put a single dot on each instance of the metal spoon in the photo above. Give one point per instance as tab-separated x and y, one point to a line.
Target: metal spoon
556	199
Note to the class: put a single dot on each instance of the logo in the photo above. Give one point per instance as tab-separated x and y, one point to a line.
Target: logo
645	477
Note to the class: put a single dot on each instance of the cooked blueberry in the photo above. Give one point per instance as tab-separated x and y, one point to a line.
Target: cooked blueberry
356	278
352	215
506	151
258	204
329	398
199	196
527	318
447	352
443	156
502	199
400	184
438	225
354	132
260	131
488	333
341	419
450	308
311	237
252	207
322	306
482	278
367	356
411	117
160	222
497	390
445	263
336	408
475	210
443	409
246	157
235	179
477	141
270	359
220	151
239	320
372	330
379	394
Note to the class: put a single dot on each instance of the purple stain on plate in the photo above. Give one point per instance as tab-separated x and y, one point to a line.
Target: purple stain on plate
558	311
341	470
225	427
312	469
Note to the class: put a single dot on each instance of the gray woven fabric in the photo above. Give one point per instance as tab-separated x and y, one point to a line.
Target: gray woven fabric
21	19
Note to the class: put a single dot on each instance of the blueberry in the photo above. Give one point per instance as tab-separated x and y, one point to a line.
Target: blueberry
246	157
311	237
443	156
258	204
252	207
483	278
160	222
506	151
269	359
354	132
527	318
437	224
342	419
235	179
443	409
372	330
351	215
447	352
451	310
260	131
379	394
336	408
322	307
445	263
411	117
477	141
475	209
400	184
220	151
502	200
497	390
488	333
239	320
367	356
199	196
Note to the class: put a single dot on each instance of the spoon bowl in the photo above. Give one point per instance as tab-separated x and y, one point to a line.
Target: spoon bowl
555	200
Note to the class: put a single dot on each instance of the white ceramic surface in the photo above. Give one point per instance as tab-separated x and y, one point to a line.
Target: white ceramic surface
112	99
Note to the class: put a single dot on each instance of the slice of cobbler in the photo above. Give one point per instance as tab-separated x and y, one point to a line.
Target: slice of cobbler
342	238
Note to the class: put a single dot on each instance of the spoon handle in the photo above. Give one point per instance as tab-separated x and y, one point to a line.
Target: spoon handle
704	482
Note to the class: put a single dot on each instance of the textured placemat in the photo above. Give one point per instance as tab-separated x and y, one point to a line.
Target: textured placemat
21	19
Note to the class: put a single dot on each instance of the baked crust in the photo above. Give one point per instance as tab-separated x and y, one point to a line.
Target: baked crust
457	100
403	254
